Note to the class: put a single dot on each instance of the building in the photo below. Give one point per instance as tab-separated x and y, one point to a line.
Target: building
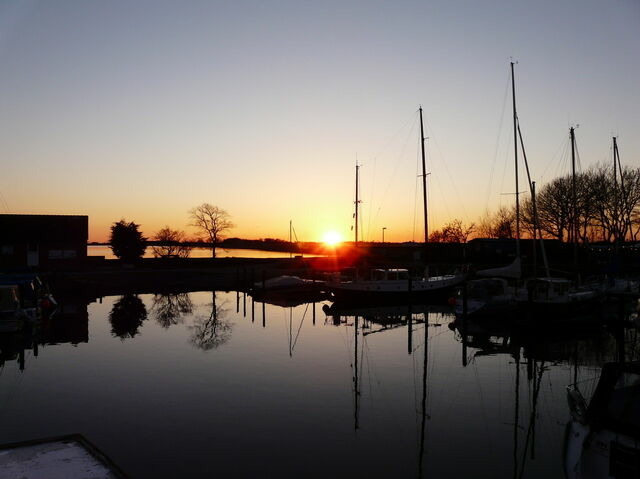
42	241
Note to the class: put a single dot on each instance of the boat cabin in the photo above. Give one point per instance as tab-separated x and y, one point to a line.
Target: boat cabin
485	288
548	288
390	274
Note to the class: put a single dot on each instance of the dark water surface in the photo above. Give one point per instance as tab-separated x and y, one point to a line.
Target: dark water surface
181	386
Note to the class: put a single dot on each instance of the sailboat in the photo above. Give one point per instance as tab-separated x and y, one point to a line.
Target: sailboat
555	296
492	294
544	296
386	285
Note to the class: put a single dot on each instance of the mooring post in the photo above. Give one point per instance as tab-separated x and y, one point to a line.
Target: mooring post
21	359
264	317
410	328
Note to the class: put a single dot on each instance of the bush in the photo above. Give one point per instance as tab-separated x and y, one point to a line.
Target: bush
126	242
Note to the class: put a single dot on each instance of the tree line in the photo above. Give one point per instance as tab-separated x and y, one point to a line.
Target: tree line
128	243
607	208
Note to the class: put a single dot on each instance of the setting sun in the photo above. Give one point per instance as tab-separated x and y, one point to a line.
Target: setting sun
332	238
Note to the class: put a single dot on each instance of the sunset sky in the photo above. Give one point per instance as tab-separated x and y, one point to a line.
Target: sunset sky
143	109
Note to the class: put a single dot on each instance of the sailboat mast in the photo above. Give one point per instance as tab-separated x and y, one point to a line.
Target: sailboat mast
515	147
424	183
574	209
357	202
424	196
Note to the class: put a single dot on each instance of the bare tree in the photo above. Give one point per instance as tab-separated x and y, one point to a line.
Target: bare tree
172	244
214	222
452	232
169	309
210	332
501	224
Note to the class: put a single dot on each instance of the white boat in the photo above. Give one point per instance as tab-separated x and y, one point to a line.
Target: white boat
602	440
396	284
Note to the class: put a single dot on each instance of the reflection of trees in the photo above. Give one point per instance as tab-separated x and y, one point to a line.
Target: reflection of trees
209	332
127	316
168	309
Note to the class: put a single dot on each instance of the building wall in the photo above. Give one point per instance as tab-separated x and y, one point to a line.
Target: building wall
42	241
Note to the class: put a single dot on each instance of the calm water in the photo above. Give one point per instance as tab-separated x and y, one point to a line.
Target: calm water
200	253
204	384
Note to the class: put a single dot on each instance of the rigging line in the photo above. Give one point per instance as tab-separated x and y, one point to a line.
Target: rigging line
563	164
300	327
497	146
482	401
373	184
507	162
578	162
553	160
393	137
444	163
361	224
365	345
410	134
415	204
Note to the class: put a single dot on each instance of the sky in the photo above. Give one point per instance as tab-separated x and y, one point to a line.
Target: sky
142	110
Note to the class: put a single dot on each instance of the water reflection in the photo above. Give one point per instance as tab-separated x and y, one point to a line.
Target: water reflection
127	316
213	330
394	392
171	309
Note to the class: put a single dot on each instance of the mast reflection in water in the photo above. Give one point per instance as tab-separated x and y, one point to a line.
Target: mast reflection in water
195	384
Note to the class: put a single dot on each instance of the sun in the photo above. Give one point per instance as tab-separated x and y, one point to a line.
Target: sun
332	238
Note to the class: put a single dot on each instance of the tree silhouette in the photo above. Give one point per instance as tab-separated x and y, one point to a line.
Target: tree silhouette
126	316
172	244
126	242
452	232
169	309
214	222
210	332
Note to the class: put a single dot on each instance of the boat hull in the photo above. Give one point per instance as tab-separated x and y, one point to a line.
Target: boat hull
395	291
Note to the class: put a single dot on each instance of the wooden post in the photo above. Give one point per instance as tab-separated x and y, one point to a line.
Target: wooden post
409	329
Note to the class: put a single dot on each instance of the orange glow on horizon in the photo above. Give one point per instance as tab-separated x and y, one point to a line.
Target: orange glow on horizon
332	238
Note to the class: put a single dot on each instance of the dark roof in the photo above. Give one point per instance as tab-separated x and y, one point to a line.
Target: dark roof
43	228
